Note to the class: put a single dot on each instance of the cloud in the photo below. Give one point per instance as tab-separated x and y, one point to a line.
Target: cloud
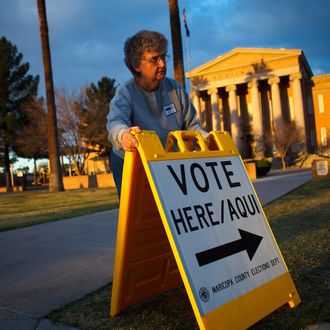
87	36
254	23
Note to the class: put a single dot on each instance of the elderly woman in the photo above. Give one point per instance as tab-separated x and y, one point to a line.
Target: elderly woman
148	101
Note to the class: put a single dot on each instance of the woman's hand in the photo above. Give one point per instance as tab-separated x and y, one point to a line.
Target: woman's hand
128	140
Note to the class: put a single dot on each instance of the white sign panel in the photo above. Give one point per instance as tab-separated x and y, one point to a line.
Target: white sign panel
322	167
221	234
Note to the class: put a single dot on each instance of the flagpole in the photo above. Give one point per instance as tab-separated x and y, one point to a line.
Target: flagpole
187	43
188	60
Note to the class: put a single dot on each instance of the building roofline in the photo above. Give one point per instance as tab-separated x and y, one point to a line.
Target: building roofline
234	51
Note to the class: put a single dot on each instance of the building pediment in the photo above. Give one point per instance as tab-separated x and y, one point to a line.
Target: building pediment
247	63
245	56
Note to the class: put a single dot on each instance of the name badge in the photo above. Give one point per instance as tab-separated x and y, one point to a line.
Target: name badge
169	109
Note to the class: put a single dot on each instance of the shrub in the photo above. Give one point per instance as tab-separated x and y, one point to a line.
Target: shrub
263	166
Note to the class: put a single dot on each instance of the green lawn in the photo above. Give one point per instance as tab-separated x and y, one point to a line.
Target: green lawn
33	207
301	224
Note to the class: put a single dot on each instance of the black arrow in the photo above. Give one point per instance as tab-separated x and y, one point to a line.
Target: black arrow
248	242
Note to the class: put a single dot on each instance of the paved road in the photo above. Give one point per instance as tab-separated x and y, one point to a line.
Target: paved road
47	266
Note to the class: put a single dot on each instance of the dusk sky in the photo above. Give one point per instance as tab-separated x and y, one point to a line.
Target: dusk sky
87	36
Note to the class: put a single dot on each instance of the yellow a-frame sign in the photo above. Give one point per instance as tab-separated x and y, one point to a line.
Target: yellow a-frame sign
189	213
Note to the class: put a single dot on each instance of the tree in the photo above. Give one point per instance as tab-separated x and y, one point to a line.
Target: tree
93	116
31	141
82	121
176	41
55	178
286	137
17	87
72	145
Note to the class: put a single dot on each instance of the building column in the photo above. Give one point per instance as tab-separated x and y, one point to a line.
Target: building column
257	114
276	101
216	126
257	123
234	117
195	101
295	78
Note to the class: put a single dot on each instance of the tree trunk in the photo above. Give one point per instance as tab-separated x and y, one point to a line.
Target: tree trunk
176	42
9	184
35	171
55	177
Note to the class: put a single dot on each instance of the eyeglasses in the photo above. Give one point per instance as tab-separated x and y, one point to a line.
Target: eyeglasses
155	60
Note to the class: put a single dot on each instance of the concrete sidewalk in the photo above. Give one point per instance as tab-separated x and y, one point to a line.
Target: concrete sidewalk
45	267
279	183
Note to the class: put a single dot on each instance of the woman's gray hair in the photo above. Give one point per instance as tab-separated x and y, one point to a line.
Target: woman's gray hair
143	41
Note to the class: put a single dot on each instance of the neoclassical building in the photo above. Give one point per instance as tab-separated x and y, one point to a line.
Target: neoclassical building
251	91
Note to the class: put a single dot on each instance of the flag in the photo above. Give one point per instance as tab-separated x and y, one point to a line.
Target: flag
185	22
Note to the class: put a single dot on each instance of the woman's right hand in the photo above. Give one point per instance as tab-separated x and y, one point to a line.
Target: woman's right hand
128	140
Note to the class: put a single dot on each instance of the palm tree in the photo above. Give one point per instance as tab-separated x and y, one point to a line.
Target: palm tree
55	178
176	41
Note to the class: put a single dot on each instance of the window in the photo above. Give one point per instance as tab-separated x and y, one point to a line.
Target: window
324	141
321	103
